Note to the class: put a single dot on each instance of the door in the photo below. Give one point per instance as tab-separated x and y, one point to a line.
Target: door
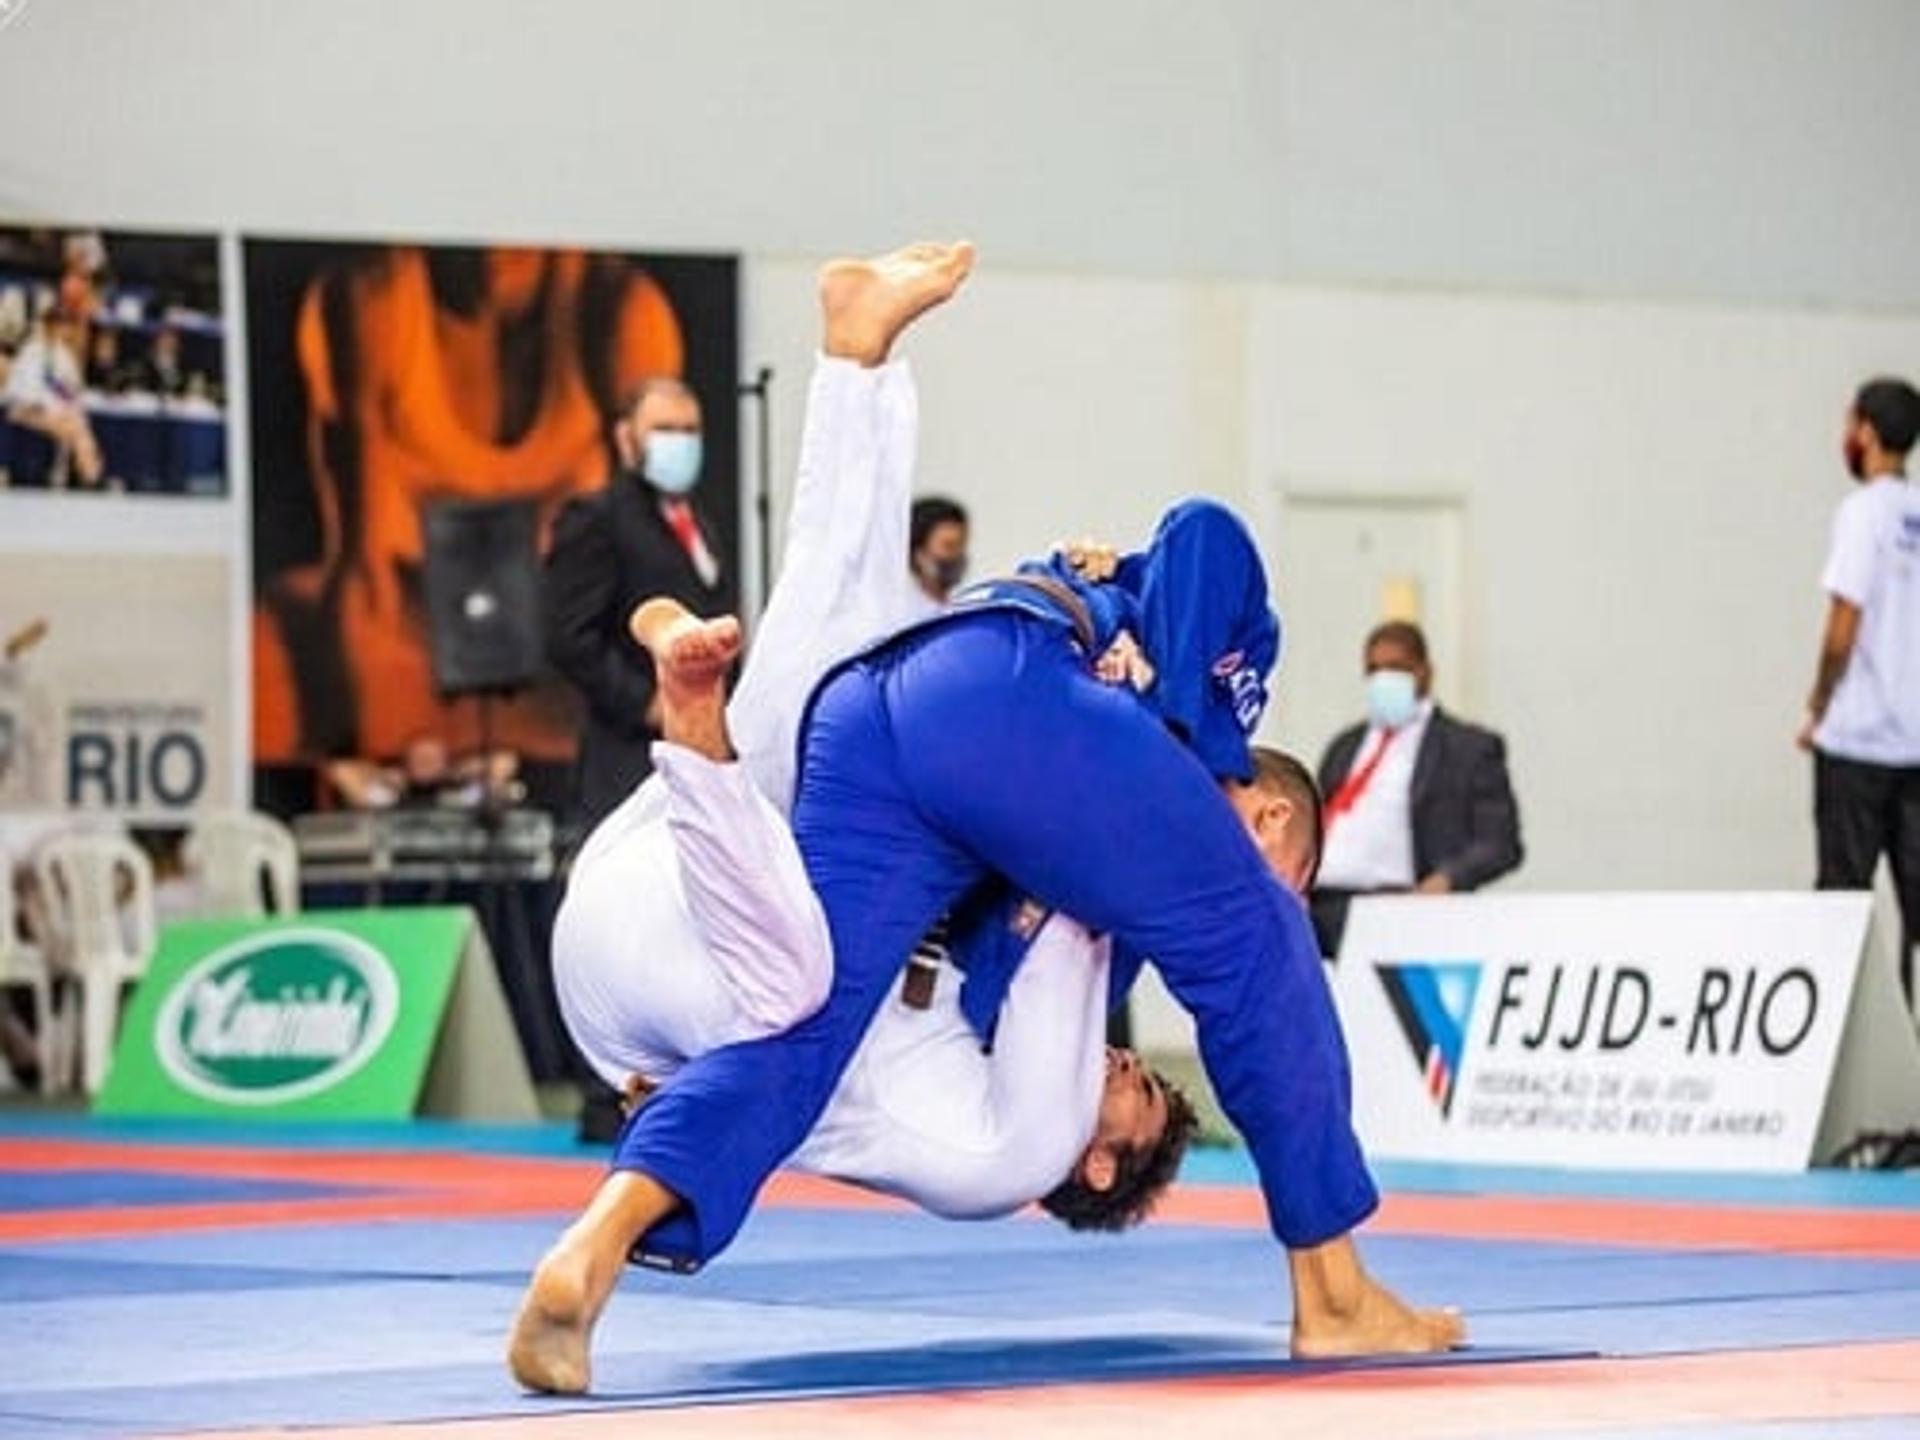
1339	565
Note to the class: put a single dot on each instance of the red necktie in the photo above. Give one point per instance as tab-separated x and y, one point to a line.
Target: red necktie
1355	785
686	529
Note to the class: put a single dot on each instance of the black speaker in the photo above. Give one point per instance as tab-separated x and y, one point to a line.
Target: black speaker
483	595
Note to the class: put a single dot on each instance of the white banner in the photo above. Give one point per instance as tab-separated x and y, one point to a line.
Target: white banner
1662	1031
117	699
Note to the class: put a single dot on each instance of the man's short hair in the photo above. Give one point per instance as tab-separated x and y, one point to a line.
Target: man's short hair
1288	779
639	390
1140	1178
1892	407
932	511
1402	633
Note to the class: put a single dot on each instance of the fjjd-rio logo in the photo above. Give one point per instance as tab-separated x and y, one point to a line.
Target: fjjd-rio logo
277	1017
1433	1001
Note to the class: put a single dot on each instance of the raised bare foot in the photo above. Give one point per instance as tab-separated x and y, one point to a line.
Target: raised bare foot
1377	1323
548	1349
691	657
865	304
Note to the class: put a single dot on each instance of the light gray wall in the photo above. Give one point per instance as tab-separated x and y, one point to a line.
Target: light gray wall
1752	150
1607	270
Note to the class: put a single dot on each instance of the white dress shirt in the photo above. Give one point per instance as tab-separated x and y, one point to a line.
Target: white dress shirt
1370	847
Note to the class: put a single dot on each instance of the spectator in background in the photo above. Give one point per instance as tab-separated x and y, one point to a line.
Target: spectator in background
1416	800
162	371
44	386
641	536
938	548
105	371
1863	717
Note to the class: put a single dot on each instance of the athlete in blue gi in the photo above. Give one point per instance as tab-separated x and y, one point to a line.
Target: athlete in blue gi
977	756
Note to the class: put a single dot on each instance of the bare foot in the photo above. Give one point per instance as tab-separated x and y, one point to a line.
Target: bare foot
1379	1323
548	1349
867	303
691	657
1340	1310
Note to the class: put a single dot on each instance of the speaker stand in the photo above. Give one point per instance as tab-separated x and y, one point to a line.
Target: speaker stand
502	905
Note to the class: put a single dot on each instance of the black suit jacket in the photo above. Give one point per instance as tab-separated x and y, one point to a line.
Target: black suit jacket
611	550
1465	819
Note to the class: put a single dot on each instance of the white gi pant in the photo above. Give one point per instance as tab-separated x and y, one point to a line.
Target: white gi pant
689	922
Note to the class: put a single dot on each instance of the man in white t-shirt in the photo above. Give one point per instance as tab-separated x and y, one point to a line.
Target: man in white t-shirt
1863	717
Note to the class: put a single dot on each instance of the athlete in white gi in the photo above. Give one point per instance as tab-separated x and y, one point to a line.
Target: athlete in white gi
689	923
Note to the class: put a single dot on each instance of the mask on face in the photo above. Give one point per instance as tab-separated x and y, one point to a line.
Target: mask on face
1855	454
1391	698
672	461
943	575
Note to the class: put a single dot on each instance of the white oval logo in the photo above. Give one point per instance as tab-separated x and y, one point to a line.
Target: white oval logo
277	1017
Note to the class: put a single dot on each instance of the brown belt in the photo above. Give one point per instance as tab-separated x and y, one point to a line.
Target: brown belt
916	989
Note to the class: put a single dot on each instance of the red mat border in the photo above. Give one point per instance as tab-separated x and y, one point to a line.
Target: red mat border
440	1184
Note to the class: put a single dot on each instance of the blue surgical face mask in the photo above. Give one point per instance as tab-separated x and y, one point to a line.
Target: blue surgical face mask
672	462
1392	698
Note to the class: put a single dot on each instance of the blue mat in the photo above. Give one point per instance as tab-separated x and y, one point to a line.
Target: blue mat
405	1320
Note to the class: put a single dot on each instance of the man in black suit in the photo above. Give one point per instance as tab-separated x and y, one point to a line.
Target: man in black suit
641	536
1416	800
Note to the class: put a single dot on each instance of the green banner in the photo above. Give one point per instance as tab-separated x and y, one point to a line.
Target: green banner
330	1015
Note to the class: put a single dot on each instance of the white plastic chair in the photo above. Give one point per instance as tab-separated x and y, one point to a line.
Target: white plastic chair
25	966
98	890
231	852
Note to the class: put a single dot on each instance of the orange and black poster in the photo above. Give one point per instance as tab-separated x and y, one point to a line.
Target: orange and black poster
386	378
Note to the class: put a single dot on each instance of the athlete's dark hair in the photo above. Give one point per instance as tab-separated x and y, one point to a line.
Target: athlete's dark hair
1404	633
931	511
1141	1175
1892	407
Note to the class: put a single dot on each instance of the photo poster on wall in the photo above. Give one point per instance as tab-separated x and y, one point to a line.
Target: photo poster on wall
385	379
113	364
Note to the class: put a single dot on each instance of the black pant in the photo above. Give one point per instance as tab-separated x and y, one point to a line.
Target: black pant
1859	811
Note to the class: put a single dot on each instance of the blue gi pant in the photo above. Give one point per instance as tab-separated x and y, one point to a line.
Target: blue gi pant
983	745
